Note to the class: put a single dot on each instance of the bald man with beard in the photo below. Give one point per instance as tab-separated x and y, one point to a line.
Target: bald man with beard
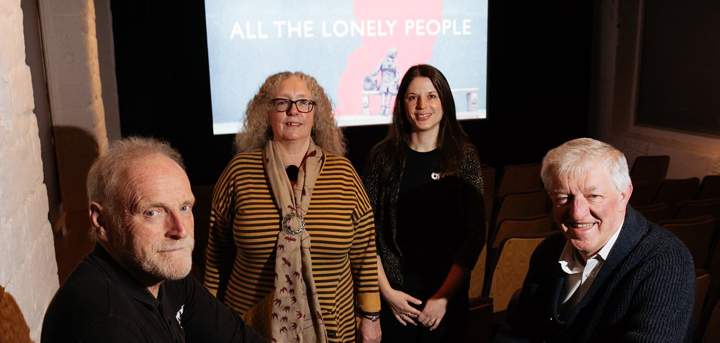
134	285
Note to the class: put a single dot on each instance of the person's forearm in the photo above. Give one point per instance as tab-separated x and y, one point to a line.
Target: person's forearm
383	282
453	281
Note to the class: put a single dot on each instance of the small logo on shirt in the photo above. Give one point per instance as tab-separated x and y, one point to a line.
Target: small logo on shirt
178	315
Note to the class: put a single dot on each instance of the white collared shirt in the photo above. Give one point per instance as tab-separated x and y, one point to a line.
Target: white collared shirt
580	276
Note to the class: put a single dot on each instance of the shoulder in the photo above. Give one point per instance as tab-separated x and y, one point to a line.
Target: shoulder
469	149
86	286
338	166
652	239
337	161
254	157
551	247
374	163
470	161
658	241
244	163
645	250
86	300
470	156
469	167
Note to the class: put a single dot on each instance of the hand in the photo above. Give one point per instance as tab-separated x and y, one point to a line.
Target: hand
400	307
369	332
433	312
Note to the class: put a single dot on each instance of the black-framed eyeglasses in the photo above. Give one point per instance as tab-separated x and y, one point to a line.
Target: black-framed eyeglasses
282	105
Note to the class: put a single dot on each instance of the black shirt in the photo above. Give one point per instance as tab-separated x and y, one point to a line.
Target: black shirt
430	230
101	302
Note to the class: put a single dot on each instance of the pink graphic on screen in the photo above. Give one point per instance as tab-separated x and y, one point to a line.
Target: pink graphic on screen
411	49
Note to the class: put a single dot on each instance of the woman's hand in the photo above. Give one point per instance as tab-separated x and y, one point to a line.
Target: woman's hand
400	306
435	308
433	312
370	331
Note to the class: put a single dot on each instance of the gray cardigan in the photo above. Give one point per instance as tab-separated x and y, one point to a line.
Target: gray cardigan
383	194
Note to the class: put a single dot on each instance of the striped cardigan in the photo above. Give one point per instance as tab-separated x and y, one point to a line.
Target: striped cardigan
244	224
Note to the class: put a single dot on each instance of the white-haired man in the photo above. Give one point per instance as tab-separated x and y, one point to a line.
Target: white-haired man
611	276
134	285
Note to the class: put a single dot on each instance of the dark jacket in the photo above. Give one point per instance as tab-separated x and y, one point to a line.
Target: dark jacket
644	292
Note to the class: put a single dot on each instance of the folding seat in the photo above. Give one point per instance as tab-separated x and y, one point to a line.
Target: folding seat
479	328
477	276
650	168
489	202
519	178
709	188
697	234
522	227
702	285
508	269
488	176
673	191
655	212
697	208
647	173
522	205
708	328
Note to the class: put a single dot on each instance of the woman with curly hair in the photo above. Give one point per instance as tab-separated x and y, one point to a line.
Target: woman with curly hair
424	184
291	246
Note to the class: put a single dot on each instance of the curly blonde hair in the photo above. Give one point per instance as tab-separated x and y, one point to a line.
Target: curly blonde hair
256	131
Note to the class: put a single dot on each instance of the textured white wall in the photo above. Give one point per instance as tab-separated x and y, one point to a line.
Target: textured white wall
27	255
71	52
75	91
106	57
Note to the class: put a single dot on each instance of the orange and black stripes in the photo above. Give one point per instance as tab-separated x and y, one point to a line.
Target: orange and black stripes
244	225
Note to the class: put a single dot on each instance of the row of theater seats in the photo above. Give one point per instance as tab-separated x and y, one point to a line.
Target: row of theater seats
661	196
517	210
689	208
518	219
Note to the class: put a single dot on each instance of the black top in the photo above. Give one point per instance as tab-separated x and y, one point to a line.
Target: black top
101	302
383	193
429	228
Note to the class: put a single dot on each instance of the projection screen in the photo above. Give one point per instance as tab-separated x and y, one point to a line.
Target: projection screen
357	50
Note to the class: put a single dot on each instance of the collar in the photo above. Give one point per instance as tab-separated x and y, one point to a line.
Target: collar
102	260
571	263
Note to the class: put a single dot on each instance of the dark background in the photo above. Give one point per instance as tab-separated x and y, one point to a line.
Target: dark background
539	63
679	83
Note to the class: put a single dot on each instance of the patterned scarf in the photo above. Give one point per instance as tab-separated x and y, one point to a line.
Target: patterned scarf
296	315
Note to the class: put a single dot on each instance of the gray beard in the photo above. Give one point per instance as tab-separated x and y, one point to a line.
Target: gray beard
158	266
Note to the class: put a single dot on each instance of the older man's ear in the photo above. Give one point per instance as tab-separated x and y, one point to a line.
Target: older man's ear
98	221
626	194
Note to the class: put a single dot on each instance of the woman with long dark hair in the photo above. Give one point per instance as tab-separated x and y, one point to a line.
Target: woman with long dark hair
423	181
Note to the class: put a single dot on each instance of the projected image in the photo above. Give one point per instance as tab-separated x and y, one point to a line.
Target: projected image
357	50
